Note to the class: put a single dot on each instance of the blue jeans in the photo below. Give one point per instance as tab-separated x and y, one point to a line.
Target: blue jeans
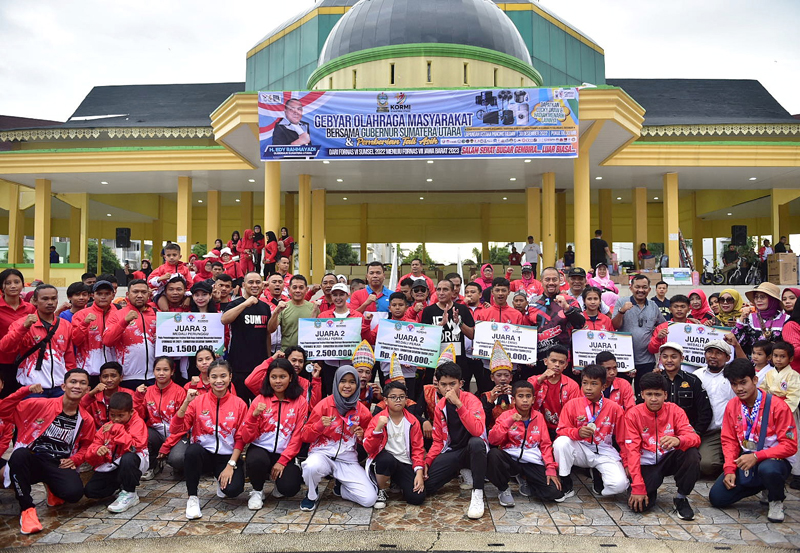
49	393
772	473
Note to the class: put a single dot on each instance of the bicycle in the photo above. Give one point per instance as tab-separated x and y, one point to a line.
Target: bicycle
753	276
736	276
711	277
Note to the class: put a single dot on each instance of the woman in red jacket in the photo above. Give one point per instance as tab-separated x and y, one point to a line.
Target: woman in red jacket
270	253
272	428
258	246
214	420
12	307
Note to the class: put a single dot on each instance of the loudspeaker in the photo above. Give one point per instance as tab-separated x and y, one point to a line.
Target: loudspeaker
123	238
739	235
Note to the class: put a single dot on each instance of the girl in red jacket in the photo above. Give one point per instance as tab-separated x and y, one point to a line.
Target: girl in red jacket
215	421
592	299
272	428
333	429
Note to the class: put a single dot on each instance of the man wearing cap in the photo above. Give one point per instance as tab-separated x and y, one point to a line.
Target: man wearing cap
528	283
684	389
532	253
576	277
420	298
718	355
415	274
89	325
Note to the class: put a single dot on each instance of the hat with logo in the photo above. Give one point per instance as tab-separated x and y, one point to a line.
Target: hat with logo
447	356
527	267
363	356
577	272
419	283
340	288
499	360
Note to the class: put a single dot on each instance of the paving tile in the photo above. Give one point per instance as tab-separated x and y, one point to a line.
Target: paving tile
147	529
568	514
281	512
227	510
723	533
622	515
750	511
776	534
666	532
705	516
79	530
341	512
336	527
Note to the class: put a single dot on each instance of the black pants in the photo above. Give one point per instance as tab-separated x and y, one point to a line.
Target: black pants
402	475
257	259
683	465
269	269
199	461
104	484
8	374
259	464
501	467
26	469
641	370
446	465
241	390
175	459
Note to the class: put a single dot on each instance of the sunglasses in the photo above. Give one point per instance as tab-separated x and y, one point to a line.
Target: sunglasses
727	300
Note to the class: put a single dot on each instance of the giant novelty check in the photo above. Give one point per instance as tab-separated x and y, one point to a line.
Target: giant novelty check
520	342
414	343
329	338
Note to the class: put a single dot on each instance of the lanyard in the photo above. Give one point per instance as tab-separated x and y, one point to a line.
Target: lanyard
751	416
591	418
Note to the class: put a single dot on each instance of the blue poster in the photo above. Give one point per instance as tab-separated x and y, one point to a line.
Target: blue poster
492	123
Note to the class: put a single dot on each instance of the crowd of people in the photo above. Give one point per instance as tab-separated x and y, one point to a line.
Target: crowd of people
83	389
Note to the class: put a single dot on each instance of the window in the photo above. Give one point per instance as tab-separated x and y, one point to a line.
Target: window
495	76
391	73
466	73
330	83
430	75
355	79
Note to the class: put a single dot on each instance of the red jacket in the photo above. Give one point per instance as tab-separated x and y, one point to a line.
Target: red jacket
215	422
610	423
256	378
277	429
87	338
779	443
234	269
622	394
34	415
375	442
97	406
119	439
326	306
498	314
336	441
8	316
526	444
568	389
204	388
59	355
157	407
643	431
270	252
471	415
134	343
532	288
602	322
167	269
330	313
431	285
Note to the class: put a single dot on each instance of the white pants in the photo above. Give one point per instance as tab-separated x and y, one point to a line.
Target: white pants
356	485
569	453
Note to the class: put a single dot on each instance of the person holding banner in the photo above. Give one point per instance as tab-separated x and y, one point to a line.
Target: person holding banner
679	311
325	302
683	389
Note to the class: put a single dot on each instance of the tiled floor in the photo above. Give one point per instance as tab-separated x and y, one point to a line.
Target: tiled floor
161	513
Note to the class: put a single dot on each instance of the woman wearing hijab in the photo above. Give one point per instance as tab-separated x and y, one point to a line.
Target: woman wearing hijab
258	246
334	428
147	268
765	321
644	253
701	311
270	254
789	298
233	243
286	243
602	280
218	245
791	334
486	277
730	307
246	247
713	303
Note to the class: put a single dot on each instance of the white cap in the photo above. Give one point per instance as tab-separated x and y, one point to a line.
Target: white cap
724	347
340	288
671	345
223	251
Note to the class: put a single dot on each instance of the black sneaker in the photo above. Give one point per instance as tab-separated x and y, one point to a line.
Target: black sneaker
795	483
597	482
683	508
337	489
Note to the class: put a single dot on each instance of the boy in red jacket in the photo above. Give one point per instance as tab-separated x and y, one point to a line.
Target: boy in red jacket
552	389
98	400
741	429
53	436
660	442
617	389
459	438
118	455
395	447
523	448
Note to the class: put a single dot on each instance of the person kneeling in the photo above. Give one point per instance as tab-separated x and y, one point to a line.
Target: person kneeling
758	438
395	447
118	455
660	442
523	449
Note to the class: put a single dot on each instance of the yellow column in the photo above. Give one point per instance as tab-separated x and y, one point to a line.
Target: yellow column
485	228
698	231
16	226
272	197
364	233
671	219
158	234
41	226
318	250
304	231
83	250
533	199
605	208
548	220
639	217
74	235
247	211
184	221
561	223
583	200
290	210
213	214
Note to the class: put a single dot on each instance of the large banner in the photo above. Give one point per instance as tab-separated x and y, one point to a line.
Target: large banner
520	342
414	343
586	344
329	338
694	338
494	123
182	334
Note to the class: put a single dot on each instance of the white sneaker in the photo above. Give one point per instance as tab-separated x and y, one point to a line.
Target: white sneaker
476	505
506	499
220	493
149	474
125	500
275	493
381	502
465	478
193	508
256	500
775	513
566	496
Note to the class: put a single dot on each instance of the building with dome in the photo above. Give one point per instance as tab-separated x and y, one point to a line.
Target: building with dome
659	159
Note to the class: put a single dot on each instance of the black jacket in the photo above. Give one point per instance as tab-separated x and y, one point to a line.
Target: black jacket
687	392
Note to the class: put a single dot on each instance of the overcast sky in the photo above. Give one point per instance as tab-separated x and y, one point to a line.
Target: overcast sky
53	52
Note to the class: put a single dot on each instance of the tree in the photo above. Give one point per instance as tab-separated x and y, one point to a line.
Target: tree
497	256
342	254
200	250
110	260
417	252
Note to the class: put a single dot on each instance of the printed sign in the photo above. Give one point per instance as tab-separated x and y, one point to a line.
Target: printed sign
182	334
694	338
586	344
414	343
520	342
329	338
526	122
676	275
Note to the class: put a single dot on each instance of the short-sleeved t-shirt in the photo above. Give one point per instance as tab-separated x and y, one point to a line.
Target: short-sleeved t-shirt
289	321
598	251
58	438
451	333
248	345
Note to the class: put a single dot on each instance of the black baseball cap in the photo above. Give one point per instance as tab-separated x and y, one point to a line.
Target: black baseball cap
577	272
102	284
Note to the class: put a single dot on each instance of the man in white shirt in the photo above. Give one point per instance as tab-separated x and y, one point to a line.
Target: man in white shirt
532	253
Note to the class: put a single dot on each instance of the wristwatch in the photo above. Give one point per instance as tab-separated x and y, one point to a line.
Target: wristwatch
232	463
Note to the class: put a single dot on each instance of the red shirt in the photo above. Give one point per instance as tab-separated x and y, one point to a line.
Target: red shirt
549	398
7	316
601	322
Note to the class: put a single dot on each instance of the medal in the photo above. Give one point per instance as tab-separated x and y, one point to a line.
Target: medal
591	418
591	426
749	445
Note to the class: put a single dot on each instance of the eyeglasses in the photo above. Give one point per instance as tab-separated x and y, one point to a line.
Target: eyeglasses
727	300
396	398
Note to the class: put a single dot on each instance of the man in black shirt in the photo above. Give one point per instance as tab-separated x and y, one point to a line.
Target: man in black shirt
599	249
660	299
456	322
729	259
250	344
